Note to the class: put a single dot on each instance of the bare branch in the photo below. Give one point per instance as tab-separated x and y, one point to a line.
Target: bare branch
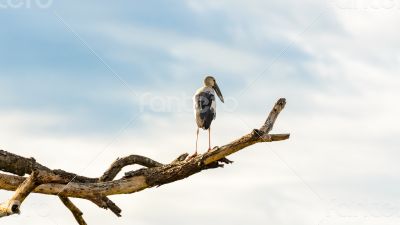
12	206
19	165
74	210
25	188
118	164
269	123
241	143
65	184
180	158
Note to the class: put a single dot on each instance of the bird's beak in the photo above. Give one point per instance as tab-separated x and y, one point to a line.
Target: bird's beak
218	91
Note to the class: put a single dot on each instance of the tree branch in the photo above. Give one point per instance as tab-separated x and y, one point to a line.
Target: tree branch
12	206
19	165
37	178
118	164
74	210
65	184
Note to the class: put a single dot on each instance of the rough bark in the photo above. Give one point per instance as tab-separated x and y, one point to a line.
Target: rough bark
118	164
69	185
74	210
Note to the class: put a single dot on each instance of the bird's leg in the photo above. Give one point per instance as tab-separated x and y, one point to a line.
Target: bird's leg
197	139
209	139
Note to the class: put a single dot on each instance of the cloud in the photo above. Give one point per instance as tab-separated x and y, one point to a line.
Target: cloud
201	53
338	70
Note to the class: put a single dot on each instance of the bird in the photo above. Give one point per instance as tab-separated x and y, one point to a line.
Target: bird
204	103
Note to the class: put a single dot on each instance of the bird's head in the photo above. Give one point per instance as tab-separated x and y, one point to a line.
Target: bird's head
209	81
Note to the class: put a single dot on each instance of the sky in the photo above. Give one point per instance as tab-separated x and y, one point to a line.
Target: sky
85	82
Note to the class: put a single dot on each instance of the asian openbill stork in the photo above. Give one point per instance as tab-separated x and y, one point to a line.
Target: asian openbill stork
205	107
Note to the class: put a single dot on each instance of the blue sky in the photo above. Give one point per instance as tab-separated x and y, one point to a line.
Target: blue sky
83	83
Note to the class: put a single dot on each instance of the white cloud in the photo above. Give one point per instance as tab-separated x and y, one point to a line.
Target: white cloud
190	50
344	126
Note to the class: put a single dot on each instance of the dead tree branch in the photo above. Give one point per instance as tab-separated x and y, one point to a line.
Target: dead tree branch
69	185
74	210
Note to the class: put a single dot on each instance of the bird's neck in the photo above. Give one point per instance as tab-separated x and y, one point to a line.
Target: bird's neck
205	89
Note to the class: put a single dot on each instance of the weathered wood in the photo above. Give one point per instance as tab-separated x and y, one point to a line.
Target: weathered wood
74	210
254	137
273	115
19	165
120	163
27	186
65	184
180	158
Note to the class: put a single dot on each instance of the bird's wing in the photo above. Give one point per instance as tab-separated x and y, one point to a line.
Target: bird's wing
214	107
204	101
204	104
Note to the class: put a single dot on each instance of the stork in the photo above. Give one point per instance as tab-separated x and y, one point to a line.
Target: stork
205	107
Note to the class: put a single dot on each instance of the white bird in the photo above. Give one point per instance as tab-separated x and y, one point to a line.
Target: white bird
205	107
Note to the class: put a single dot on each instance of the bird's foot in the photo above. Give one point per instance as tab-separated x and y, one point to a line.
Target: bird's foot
192	156
209	150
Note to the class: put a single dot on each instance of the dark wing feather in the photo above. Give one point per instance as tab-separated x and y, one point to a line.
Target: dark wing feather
205	113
